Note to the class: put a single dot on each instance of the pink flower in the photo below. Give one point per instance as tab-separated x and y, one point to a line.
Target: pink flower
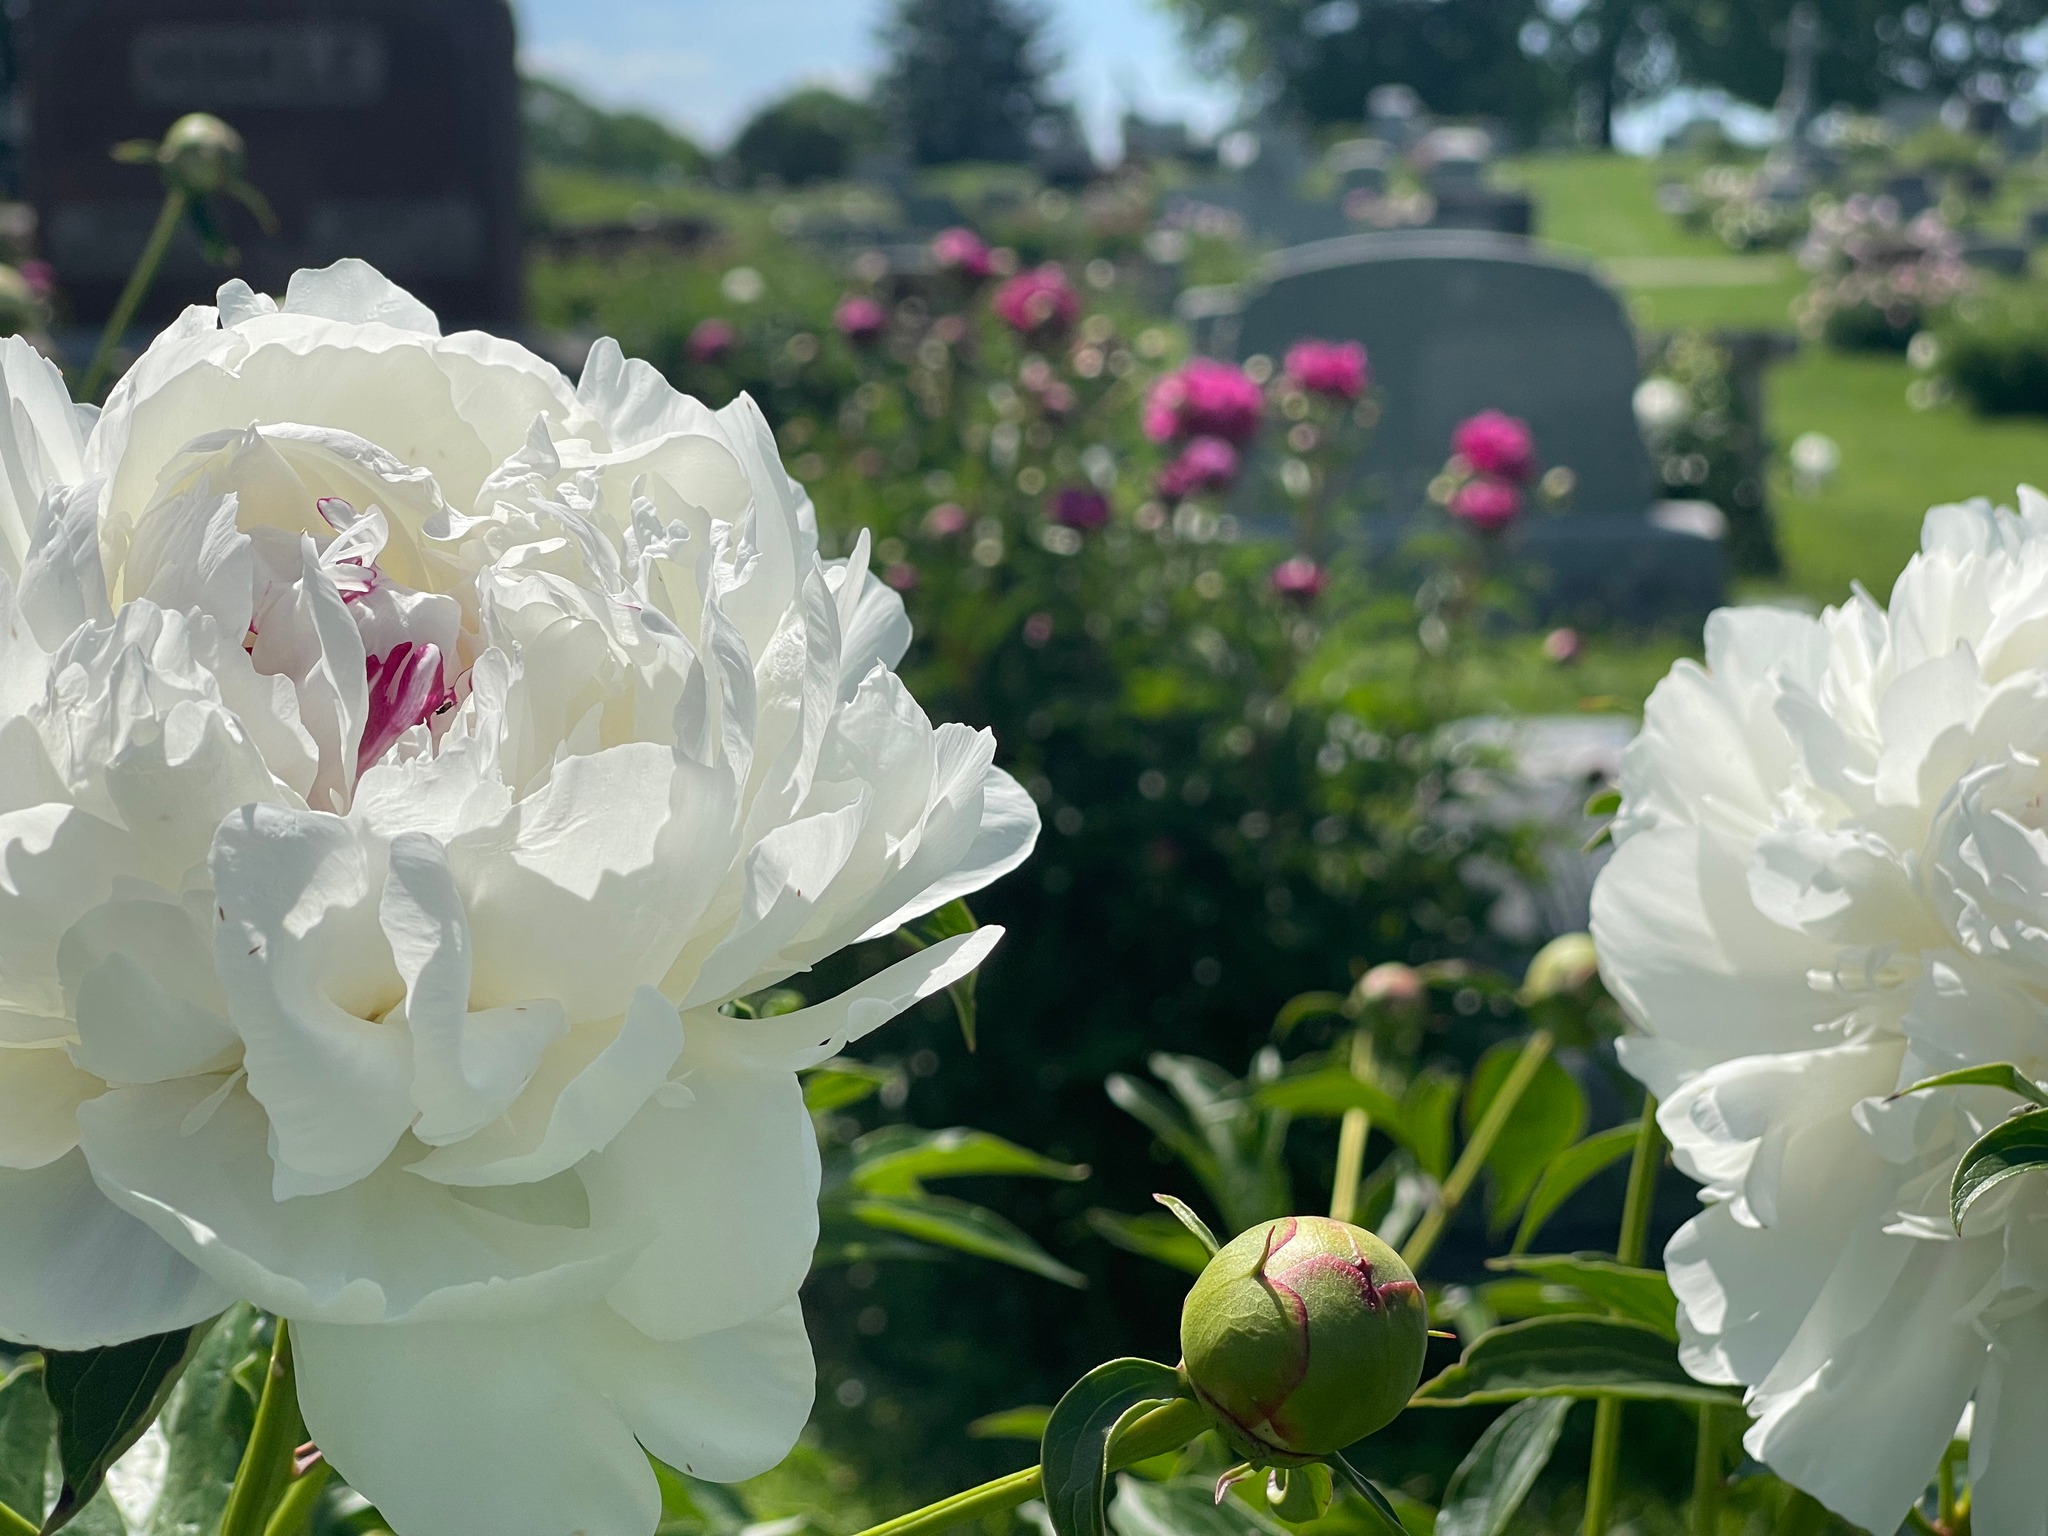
1206	464
860	319
1058	399
40	276
901	576
1081	508
1299	579
1487	503
1038	302
945	520
1494	443
407	688
1336	369
1561	646
712	341
963	251
1204	399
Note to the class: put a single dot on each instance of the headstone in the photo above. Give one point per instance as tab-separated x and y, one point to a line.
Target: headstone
2037	224
1395	113
1914	194
2004	258
1501	210
384	129
1457	322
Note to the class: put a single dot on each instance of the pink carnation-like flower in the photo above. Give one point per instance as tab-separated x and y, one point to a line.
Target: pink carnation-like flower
1206	464
712	341
1487	503
1299	578
860	319
1038	302
1336	369
1494	443
963	251
1080	507
1204	399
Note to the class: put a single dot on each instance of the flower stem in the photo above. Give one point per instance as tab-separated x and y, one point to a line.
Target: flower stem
15	1524
295	1509
1166	1428
1478	1149
267	1462
1351	1136
1706	1476
1643	1167
139	282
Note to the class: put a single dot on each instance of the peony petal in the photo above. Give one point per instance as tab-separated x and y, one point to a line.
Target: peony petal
40	1091
2008	1480
41	441
357	293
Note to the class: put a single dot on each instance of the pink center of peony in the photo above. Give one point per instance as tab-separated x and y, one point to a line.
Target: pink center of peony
406	689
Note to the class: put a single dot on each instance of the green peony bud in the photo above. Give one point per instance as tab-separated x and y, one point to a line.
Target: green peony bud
1302	1336
201	153
1298	1495
1564	965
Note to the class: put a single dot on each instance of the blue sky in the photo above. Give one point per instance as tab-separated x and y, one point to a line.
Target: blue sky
704	65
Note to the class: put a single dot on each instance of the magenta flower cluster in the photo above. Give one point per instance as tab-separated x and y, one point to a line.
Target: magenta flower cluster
1204	399
860	319
1336	370
963	251
1498	452
1038	303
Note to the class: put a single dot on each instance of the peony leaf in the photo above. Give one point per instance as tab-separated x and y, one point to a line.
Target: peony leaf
1330	1092
1546	1121
1187	1218
1185	1506
1568	1357
1567	1173
1425	1124
27	1426
1501	1468
947	922
1308	1005
1997	1074
1025	1423
1642	1295
104	1400
1154	1235
841	1082
895	1159
206	1424
971	1229
2008	1149
1382	1515
1074	1453
1158	1114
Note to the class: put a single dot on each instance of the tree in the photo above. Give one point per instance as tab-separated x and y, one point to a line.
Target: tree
966	79
811	135
564	129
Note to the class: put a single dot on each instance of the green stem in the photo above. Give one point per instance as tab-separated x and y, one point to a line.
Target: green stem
1477	1150
1351	1136
295	1509
139	281
267	1462
1706	1476
1644	1164
1166	1428
13	1524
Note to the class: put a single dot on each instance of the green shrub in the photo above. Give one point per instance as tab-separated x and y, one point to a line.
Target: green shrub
809	136
1994	353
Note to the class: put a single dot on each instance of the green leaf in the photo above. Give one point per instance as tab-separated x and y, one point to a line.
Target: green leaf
1298	1010
105	1398
206	1424
692	1507
971	1229
1332	1091
1568	1172
1185	1506
1568	1357
840	1082
1641	1295
897	1158
1153	1110
1501	1468
1187	1218
1154	1235
1546	1120
2008	1149
949	921
1074	1453
1997	1074
27	1426
1606	802
1426	1111
1026	1423
1379	1509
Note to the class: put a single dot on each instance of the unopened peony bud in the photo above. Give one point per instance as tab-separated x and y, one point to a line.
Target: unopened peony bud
201	154
1562	966
1302	1336
1299	1494
1390	982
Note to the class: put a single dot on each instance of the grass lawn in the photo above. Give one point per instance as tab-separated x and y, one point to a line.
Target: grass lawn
1896	461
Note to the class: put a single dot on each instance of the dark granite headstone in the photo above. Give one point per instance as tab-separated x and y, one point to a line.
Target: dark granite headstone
1460	321
384	129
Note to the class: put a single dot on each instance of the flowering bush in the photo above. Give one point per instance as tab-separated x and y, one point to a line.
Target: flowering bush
411	763
1039	303
1878	280
1707	439
1205	398
1337	369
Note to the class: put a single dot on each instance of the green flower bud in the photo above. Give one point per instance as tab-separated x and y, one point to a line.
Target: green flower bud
1298	1495
1302	1336
201	153
1564	965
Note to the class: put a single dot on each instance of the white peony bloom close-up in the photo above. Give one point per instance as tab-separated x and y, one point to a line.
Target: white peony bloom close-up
1830	883
403	756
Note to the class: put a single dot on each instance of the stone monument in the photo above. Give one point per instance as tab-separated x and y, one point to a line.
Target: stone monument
384	129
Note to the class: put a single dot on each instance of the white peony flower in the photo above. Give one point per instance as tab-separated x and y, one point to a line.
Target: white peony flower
403	755
1831	882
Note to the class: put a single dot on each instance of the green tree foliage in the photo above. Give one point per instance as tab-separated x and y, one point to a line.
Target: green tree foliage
811	135
966	78
564	129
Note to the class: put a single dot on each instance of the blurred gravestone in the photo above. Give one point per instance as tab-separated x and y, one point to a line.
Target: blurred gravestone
1459	321
384	129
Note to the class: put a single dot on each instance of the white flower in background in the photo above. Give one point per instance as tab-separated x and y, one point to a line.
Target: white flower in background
1661	404
1815	457
1831	882
402	756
